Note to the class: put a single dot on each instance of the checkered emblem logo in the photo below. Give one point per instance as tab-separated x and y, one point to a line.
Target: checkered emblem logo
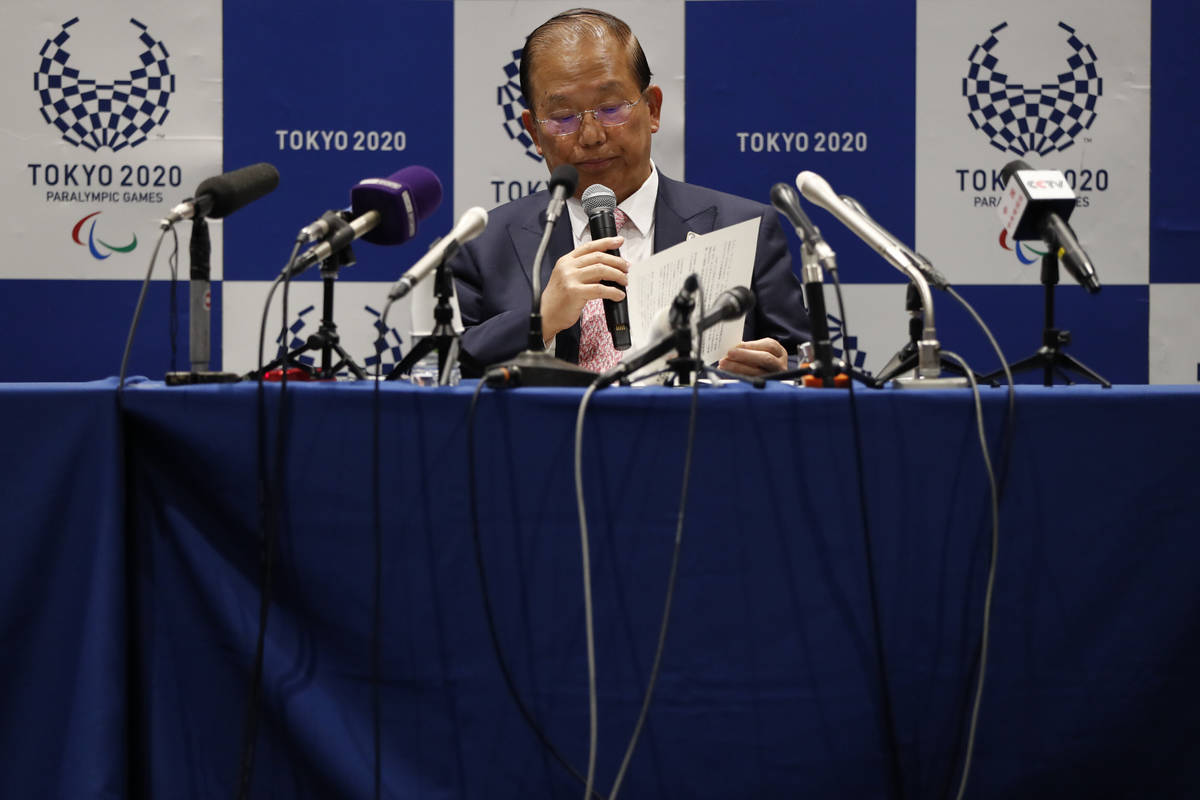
508	97
1040	119
93	114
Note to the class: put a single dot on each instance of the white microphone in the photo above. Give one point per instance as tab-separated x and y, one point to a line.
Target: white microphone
818	191
470	225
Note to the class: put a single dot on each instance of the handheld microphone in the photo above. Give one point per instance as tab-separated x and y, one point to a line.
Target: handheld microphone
730	304
1036	205
470	225
222	195
600	202
387	211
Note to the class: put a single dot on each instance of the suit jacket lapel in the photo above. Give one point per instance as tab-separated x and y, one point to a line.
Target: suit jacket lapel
525	239
676	213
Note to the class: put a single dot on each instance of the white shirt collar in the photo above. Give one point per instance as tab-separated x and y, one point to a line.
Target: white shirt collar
638	207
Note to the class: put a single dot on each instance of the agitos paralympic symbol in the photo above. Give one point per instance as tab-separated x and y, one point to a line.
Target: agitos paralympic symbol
92	240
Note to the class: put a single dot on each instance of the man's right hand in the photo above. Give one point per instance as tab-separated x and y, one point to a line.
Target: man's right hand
576	280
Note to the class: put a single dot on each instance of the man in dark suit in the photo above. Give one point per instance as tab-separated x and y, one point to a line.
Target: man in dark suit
590	104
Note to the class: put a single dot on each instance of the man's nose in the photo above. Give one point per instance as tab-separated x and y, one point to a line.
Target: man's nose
591	132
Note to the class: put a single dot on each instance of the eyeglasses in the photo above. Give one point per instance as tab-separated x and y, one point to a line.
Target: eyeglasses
608	116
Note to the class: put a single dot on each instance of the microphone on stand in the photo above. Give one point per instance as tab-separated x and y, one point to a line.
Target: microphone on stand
215	197
730	304
817	190
1036	205
600	203
815	253
386	211
534	366
222	195
470	224
563	181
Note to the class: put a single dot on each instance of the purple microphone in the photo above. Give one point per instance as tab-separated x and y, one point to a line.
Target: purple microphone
402	200
385	211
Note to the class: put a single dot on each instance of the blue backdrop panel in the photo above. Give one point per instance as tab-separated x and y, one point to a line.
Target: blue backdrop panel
1109	330
818	69
367	72
91	322
62	594
1174	157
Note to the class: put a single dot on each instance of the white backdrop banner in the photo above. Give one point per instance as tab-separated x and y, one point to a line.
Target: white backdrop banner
1056	85
114	115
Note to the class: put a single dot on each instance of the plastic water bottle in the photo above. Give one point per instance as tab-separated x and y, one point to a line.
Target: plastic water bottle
425	371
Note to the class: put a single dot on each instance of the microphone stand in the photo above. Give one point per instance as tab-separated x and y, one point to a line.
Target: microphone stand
326	338
199	312
823	370
1050	357
905	358
534	366
443	336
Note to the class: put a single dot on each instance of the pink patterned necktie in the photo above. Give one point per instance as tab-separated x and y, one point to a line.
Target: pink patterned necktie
596	351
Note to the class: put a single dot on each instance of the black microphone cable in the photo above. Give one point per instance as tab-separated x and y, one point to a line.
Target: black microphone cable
173	314
377	573
991	575
267	524
589	631
141	301
889	717
489	613
672	576
970	711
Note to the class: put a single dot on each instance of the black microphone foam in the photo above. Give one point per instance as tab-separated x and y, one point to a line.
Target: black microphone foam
732	302
567	177
231	191
786	201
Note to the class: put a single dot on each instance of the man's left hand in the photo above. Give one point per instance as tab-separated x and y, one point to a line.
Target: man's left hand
759	357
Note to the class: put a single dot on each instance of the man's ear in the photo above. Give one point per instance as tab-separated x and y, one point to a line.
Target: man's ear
654	98
531	126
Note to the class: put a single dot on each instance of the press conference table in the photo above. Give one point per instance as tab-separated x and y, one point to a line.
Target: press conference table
129	591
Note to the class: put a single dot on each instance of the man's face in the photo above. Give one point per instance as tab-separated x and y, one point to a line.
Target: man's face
589	74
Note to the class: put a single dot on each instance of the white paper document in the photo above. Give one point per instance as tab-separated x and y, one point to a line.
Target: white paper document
721	259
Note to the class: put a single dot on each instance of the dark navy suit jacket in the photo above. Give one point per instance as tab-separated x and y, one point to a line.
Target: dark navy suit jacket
494	273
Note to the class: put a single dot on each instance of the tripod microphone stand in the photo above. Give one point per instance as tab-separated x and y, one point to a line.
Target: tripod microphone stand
1050	357
326	338
443	337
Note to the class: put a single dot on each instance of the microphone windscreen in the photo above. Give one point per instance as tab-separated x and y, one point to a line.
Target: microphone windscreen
403	200
598	197
733	302
231	191
566	176
783	197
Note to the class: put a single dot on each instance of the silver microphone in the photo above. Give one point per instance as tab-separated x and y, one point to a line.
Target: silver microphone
817	190
470	224
358	227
